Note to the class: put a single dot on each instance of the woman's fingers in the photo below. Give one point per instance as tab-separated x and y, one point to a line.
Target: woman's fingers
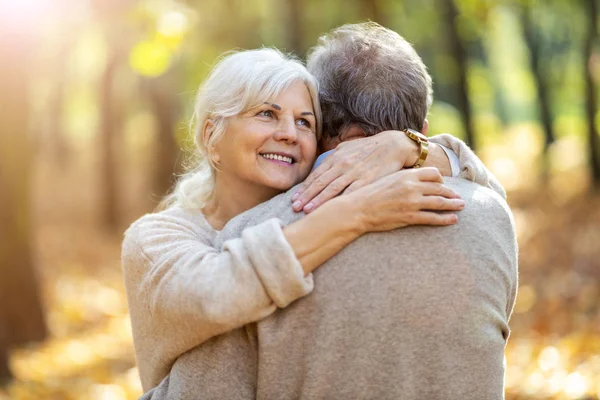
432	218
312	177
438	203
332	190
437	189
316	187
429	174
356	185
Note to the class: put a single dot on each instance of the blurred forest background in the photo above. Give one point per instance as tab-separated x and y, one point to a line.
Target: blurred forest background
95	96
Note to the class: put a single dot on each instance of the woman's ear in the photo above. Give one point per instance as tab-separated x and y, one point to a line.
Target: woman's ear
207	132
425	127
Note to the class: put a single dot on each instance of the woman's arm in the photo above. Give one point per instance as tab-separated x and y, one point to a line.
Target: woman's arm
182	291
356	163
400	199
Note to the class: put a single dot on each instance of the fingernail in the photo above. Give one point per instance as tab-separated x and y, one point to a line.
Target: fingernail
295	197
458	196
297	205
309	207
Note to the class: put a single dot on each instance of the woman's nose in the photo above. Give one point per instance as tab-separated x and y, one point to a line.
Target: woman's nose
286	130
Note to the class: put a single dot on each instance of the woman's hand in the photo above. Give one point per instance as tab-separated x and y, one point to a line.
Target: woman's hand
407	197
354	164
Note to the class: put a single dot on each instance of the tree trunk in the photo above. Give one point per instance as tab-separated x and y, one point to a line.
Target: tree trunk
531	38
108	130
591	101
459	51
112	15
55	130
164	103
5	373
21	315
295	43
233	32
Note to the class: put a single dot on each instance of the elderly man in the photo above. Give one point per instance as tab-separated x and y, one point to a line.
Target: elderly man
417	313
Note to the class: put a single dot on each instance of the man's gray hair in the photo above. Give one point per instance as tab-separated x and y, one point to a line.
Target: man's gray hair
371	77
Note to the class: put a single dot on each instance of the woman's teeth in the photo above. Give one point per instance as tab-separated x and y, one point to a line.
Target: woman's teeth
277	157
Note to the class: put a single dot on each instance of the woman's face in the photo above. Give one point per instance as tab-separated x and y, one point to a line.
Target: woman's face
271	147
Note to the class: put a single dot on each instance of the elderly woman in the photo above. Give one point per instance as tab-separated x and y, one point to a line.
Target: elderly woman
257	121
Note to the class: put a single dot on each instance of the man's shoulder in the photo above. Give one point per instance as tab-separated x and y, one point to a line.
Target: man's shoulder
486	213
469	187
283	199
278	204
486	218
279	207
478	197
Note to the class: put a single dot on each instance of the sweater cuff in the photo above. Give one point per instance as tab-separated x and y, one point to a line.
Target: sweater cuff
275	263
471	167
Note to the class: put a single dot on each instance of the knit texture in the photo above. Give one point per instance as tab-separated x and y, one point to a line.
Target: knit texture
416	313
182	291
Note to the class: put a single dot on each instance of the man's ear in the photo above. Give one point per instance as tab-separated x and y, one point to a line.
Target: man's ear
352	132
207	131
425	127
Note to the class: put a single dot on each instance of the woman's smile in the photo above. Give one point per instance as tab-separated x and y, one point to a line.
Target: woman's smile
279	158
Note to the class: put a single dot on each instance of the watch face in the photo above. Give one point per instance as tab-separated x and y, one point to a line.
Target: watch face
417	134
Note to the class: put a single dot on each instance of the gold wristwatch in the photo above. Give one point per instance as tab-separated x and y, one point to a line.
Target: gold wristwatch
423	143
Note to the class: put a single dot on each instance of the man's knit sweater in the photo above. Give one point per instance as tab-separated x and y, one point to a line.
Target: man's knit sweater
417	311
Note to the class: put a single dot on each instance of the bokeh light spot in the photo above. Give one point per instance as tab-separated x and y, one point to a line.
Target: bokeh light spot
150	58
549	358
173	23
576	385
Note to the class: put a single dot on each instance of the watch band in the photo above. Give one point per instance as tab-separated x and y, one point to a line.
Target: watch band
423	143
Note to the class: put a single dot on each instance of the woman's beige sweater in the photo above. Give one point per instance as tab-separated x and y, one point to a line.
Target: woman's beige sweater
183	290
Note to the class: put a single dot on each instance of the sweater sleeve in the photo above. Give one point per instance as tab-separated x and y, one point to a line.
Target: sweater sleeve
471	167
182	291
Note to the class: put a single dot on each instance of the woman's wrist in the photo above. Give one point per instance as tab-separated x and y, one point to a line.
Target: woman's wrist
355	217
438	158
353	208
409	151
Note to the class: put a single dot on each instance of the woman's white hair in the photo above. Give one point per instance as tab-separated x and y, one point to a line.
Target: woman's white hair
239	82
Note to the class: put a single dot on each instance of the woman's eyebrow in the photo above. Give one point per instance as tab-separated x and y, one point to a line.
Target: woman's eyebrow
275	106
278	108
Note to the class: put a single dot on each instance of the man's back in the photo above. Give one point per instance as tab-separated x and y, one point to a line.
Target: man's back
420	312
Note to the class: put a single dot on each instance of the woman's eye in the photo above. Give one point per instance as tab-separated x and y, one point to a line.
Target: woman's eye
266	113
304	122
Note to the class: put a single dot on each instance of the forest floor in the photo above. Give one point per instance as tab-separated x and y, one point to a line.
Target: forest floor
553	351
